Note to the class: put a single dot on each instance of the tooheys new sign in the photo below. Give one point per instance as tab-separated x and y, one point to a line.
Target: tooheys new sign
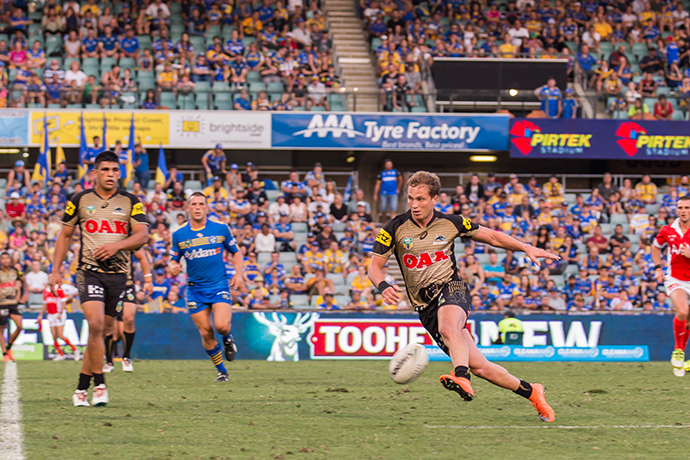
363	338
599	139
390	132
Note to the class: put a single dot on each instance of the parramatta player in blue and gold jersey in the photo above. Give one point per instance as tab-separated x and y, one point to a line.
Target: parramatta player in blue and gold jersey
201	242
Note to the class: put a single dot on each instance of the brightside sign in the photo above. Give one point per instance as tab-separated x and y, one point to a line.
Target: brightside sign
234	130
390	132
599	139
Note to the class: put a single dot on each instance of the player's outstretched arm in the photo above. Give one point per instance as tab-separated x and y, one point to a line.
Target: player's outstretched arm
501	240
61	247
375	272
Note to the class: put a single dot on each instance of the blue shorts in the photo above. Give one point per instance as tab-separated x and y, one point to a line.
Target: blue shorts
202	299
389	203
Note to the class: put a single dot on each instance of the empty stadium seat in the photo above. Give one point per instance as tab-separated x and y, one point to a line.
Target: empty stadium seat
202	101
299	227
223	101
619	219
288	258
263	258
652	209
299	301
193	185
186	102
168	100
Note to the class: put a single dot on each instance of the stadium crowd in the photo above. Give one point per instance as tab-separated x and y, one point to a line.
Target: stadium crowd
308	246
637	50
271	55
604	238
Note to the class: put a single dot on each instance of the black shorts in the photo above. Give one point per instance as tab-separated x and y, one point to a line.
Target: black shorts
455	292
6	311
109	288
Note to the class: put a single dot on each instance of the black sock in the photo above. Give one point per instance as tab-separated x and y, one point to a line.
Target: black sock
98	379
84	382
128	340
462	371
109	348
9	345
524	390
115	352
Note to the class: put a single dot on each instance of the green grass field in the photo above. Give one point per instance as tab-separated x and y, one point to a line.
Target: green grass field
351	410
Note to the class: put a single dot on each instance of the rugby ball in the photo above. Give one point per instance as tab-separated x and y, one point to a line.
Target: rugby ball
408	363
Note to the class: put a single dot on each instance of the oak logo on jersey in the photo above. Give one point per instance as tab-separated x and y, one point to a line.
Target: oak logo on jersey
424	260
384	238
407	242
70	208
105	226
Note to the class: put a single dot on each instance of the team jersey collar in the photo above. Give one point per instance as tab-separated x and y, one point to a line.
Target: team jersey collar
676	226
117	192
433	218
198	229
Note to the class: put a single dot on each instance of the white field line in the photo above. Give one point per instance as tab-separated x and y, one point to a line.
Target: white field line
552	427
11	437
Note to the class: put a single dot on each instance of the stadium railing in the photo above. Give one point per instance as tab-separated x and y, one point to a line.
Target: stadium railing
572	183
223	97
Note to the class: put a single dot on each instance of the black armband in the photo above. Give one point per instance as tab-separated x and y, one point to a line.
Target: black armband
657	266
383	285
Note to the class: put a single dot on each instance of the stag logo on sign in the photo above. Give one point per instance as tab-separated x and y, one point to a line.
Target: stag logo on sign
285	345
334	125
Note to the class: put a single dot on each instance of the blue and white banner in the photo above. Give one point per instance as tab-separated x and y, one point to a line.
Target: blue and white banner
389	132
550	353
14	127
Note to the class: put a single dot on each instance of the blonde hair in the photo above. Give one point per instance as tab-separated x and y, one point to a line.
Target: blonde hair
431	180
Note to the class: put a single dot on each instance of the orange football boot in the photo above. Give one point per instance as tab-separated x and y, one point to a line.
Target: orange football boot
459	385
546	413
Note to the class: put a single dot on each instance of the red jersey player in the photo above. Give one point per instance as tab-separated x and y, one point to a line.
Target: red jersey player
677	281
57	316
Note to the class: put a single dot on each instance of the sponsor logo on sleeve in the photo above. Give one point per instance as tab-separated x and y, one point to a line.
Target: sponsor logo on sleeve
70	208
384	238
138	209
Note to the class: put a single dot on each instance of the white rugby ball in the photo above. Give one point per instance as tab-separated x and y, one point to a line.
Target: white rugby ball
408	363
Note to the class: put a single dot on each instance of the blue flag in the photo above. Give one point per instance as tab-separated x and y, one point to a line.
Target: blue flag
83	150
348	190
162	170
42	167
129	176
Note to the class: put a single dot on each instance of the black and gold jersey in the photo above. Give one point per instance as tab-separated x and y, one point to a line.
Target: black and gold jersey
425	254
104	221
8	286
